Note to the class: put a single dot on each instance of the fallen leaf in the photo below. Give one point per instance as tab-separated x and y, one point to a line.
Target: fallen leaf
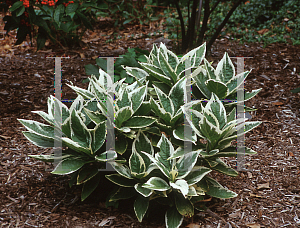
278	103
5	137
193	225
291	154
249	175
263	186
288	29
263	31
253	195
253	225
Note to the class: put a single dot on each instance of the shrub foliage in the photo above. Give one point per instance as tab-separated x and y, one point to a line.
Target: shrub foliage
165	143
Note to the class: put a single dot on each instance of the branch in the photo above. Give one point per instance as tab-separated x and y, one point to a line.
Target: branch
191	31
221	26
199	15
181	20
204	24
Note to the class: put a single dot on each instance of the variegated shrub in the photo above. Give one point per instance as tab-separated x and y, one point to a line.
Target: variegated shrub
157	155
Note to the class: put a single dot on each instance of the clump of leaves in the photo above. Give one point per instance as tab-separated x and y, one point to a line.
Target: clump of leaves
157	154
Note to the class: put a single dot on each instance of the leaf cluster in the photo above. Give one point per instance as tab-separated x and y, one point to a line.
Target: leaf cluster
150	132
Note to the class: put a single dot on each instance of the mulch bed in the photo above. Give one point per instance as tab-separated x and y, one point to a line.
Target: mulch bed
268	191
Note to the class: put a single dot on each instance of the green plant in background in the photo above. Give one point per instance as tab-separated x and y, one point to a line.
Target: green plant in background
151	157
130	58
57	20
279	18
124	12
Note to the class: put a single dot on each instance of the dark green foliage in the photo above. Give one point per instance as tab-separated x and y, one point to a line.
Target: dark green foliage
130	58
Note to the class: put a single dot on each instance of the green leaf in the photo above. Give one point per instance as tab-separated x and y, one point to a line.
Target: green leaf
102	63
236	81
156	183
183	205
166	67
48	158
122	115
164	101
166	151
84	20
83	92
71	8
136	163
200	76
225	69
137	73
143	191
141	205
173	218
36	127
218	110
68	166
166	116
39	140
179	133
79	133
297	90
137	97
121	144
91	69
58	13
127	21
106	156
249	126
196	175
232	115
142	143
86	173
178	94
220	192
210	70
20	11
253	93
218	88
121	180
195	56
123	193
181	185
98	136
162	86
96	117
122	170
15	6
157	73
223	168
139	122
186	163
75	146
124	100
90	186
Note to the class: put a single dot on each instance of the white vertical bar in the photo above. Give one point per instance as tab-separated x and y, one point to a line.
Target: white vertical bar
110	138
240	114
57	111
187	128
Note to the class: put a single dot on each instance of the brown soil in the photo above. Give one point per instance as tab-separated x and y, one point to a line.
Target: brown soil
268	193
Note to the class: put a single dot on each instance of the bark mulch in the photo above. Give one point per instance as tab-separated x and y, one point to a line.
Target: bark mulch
268	191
